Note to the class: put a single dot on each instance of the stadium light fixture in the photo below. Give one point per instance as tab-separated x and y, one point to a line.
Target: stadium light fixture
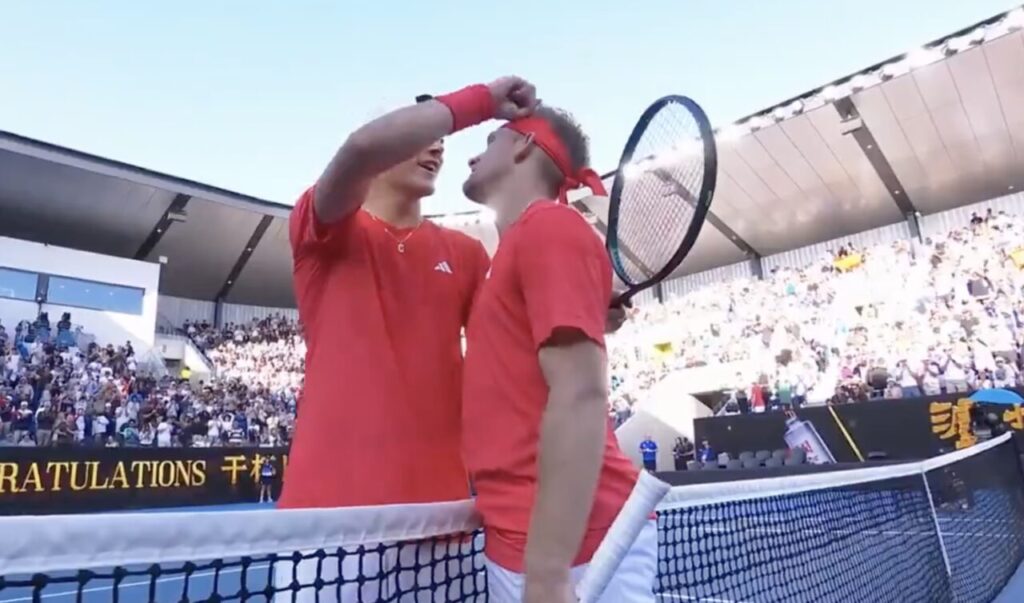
1014	20
895	69
864	80
731	133
923	56
836	92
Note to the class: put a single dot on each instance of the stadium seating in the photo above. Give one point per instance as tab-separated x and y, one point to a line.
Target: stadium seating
820	334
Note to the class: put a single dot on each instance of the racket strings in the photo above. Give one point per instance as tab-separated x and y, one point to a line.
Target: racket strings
661	187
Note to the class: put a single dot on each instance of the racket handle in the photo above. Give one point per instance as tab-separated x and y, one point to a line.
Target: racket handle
622	300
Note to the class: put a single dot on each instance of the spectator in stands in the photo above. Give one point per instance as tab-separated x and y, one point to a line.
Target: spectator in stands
682	451
706	454
63	432
23	423
649	453
45	419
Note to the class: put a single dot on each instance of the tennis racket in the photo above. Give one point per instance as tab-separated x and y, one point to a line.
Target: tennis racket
661	193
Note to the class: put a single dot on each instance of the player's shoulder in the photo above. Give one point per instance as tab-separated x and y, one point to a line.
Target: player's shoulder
545	218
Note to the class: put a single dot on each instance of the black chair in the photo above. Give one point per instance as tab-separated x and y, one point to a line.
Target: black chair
710	466
751	463
799	453
779	454
795	459
746	454
773	462
734	464
762	455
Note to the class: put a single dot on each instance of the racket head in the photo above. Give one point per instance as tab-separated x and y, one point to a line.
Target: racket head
672	144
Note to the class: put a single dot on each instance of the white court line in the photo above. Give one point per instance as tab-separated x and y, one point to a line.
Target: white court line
94	589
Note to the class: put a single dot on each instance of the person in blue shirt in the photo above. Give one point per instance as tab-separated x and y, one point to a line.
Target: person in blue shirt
267	474
705	454
649	453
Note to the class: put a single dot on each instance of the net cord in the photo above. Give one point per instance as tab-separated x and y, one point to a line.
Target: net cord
32	544
938	532
697	495
635	514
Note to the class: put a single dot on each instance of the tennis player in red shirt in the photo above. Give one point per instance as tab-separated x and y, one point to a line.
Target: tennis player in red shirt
549	474
383	296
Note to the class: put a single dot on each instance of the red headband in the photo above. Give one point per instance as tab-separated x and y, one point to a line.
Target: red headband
545	138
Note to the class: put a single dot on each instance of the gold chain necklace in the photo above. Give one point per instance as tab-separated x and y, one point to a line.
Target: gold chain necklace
400	241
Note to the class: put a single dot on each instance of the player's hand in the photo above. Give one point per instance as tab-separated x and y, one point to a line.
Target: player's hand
617	314
513	97
549	590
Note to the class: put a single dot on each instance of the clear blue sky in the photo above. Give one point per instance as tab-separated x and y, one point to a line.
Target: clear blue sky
256	96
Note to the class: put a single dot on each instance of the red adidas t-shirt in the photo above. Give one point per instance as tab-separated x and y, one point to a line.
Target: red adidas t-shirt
379	418
550	271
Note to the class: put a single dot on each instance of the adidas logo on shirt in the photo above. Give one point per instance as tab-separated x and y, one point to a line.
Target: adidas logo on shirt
443	267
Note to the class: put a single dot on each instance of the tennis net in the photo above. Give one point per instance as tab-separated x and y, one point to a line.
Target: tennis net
946	529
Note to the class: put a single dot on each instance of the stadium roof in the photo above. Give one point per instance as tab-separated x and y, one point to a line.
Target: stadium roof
936	128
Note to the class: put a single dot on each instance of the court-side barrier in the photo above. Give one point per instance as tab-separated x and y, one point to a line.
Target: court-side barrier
38	481
902	429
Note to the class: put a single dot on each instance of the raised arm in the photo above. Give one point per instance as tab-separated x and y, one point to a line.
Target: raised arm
399	135
374	148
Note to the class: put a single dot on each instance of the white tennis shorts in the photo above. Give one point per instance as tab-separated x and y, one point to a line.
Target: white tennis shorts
633	581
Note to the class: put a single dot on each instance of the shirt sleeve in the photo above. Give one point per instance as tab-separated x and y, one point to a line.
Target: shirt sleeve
307	232
564	274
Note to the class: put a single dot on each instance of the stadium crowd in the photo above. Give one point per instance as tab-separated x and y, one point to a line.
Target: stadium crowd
55	393
894	320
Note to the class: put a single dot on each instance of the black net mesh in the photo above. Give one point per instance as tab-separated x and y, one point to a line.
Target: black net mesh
429	571
979	508
658	195
954	533
870	542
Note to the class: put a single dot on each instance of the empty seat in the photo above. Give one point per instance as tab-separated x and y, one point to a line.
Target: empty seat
746	454
762	455
779	454
796	459
799	453
751	463
734	464
773	462
710	466
723	458
693	465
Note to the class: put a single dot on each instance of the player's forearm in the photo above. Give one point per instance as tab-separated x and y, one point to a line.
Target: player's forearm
374	148
570	455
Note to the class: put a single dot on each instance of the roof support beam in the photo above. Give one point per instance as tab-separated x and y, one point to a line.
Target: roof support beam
603	229
679	189
855	126
243	258
175	212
